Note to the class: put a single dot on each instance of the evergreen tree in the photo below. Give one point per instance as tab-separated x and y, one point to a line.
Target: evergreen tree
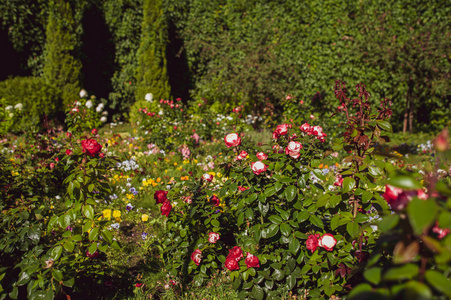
62	68
152	75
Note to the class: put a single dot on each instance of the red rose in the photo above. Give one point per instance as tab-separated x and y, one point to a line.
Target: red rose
305	127
207	177
68	134
196	256
91	147
293	149
258	167
338	180
252	261
166	209
232	140
327	241
242	188
138	285
398	198
102	155
441	232
236	253
94	132
312	242
262	156
52	166
317	130
214	200
68	152
242	155
213	237
160	196
231	263
280	130
93	255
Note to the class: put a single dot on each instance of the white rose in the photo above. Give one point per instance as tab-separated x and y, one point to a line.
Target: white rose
89	104
103	119
18	106
149	97
83	93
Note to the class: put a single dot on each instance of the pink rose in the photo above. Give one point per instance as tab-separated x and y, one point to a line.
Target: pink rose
232	140
312	242
258	167
293	149
252	261
327	241
262	156
213	237
91	147
166	209
196	256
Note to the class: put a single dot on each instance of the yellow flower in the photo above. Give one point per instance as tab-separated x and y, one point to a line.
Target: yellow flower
195	161
130	196
186	161
117	215
107	214
144	218
158	179
219	175
175	164
212	173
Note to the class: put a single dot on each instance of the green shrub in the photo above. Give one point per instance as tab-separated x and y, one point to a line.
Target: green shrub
62	68
37	97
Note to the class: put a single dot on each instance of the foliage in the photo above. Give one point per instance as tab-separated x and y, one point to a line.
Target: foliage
83	115
151	74
62	68
37	98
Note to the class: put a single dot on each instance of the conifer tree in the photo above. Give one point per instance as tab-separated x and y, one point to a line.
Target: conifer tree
152	74
62	69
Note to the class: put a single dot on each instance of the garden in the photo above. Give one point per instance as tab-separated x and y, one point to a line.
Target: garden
217	156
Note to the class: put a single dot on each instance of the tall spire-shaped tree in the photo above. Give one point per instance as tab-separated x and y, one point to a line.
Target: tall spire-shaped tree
152	74
62	68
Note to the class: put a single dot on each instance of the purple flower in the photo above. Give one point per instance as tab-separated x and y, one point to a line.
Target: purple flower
129	207
144	235
69	228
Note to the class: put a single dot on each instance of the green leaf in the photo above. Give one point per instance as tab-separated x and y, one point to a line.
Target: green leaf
285	229
366	196
388	222
275	219
334	200
302	216
290	193
14	293
278	274
93	234
384	125
358	291
106	234
69	246
70	282
353	229
272	230
334	221
58	275
374	171
56	252
373	275
439	282
408	271
316	221
88	211
405	182
257	292
322	201
270	191
421	214
92	248
294	246
23	279
348	184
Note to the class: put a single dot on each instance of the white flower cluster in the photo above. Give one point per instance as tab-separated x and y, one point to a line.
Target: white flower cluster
127	165
426	146
252	119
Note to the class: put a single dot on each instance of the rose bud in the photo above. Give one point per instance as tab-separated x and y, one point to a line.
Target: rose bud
52	166
166	209
258	167
207	177
213	237
293	149
242	155
338	180
232	140
94	132
160	196
327	241
68	134
312	242
252	261
231	264
441	232
305	127
68	152
102	155
91	147
262	156
196	256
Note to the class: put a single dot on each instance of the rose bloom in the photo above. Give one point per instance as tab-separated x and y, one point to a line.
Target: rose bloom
91	147
214	200
262	156
280	130
338	180
68	134
312	242
242	188
327	241
232	140
305	127
398	198
236	253
242	155
94	132
231	263
258	167
166	209
207	177
252	261
441	232
293	149
68	152
160	196
317	130
213	237
93	255
196	256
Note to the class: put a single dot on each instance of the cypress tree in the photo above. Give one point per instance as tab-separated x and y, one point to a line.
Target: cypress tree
152	74
62	69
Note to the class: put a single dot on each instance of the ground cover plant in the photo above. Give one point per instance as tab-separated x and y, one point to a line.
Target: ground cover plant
190	203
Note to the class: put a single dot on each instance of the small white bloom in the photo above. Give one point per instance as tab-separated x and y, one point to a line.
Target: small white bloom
18	106
11	115
149	97
99	107
89	104
105	113
9	107
103	119
77	103
160	112
83	93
